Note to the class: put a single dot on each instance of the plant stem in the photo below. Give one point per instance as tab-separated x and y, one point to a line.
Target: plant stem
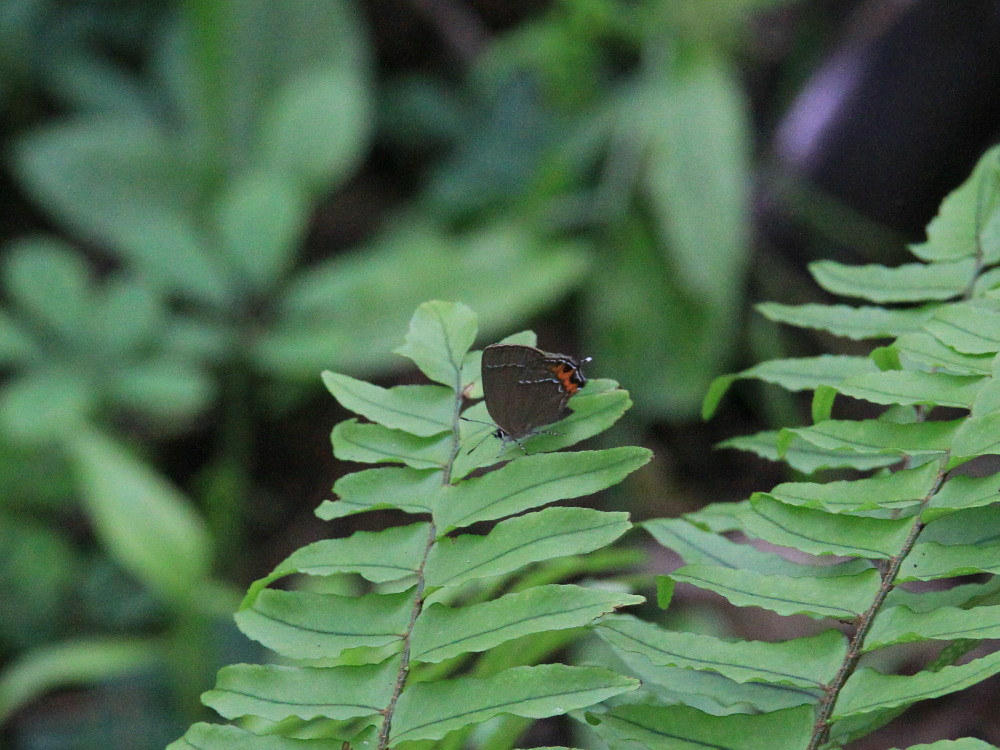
821	729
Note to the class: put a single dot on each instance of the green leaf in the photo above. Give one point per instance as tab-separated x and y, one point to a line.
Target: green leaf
803	662
961	492
203	736
798	374
978	435
423	410
954	232
444	632
902	625
911	388
46	405
162	389
910	282
966	743
823	399
145	522
820	533
70	663
874	437
805	456
317	127
260	219
440	335
378	556
685	728
553	532
698	546
970	328
841	597
850	322
900	489
409	490
127	316
51	282
927	350
429	710
868	690
276	693
17	347
373	443
122	183
533	481
930	560
304	625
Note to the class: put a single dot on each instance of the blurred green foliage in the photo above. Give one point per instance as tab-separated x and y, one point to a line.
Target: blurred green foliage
181	151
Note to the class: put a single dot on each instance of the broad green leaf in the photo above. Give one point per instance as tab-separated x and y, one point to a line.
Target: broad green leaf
46	405
868	690
962	595
975	525
900	489
443	632
953	233
378	556
699	547
260	218
962	492
276	693
317	127
423	410
805	456
803	662
970	328
903	625
17	346
145	522
203	736
122	182
911	388
874	437
820	533
533	481
711	692
966	743
978	435
930	560
166	389
685	728
850	322
910	282
305	625
429	710
127	316
520	541
409	490
798	374
440	335
924	348
373	443
70	663
51	282
840	597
